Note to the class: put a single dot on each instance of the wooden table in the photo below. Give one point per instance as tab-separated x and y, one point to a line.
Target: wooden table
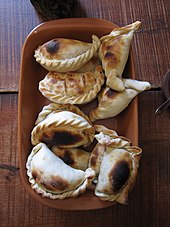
149	202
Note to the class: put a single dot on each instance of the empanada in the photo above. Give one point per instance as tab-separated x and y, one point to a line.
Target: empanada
72	87
74	157
64	129
105	137
111	103
63	55
52	178
98	151
118	169
114	52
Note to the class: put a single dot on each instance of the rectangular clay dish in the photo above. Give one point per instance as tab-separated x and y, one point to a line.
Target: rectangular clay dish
31	100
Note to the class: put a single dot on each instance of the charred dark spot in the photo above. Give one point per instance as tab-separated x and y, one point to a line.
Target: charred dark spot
80	91
34	174
58	183
112	57
108	55
119	175
93	161
110	93
52	46
61	138
44	184
37	174
67	158
94	158
54	183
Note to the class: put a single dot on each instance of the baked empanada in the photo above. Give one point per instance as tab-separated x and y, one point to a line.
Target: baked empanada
72	87
118	169
63	128
74	157
52	178
114	52
105	137
111	103
98	151
63	55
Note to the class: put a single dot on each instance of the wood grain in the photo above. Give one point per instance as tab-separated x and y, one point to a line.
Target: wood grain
17	19
149	198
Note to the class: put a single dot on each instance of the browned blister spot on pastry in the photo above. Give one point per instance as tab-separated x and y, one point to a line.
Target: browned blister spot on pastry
112	51
52	46
112	58
93	160
58	183
35	174
67	157
61	137
54	183
111	93
119	175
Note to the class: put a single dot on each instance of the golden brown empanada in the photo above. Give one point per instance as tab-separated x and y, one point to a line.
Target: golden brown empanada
72	87
114	52
111	103
74	157
118	168
62	128
63	55
52	178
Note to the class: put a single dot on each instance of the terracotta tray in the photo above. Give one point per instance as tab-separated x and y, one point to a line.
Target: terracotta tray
31	101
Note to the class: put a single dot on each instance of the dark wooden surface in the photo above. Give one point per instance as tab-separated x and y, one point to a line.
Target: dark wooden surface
149	201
